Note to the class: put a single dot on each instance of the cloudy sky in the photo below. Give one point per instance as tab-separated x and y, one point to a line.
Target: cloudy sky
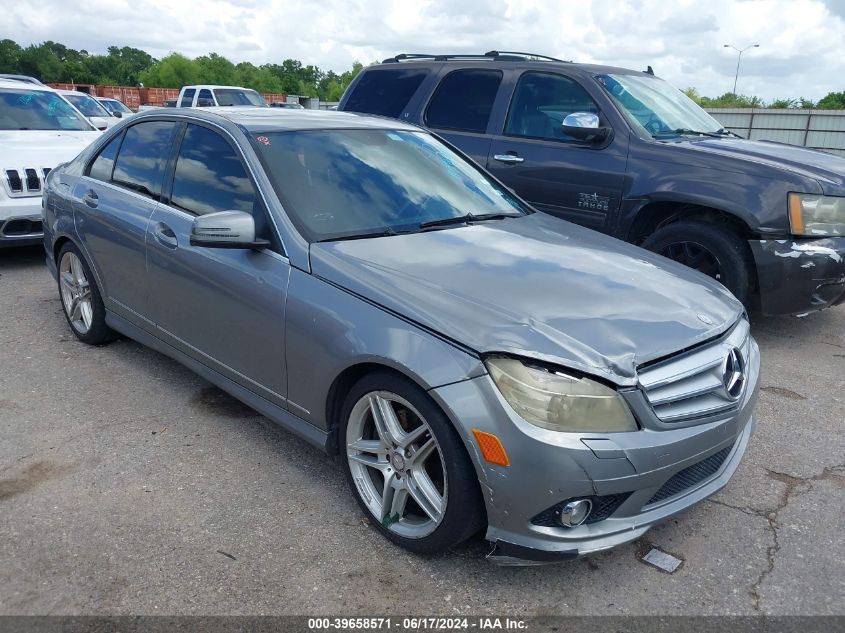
802	42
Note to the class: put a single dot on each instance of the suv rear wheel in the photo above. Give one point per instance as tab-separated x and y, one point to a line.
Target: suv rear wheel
709	248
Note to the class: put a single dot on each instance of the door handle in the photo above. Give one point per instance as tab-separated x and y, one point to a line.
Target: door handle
165	235
90	199
508	158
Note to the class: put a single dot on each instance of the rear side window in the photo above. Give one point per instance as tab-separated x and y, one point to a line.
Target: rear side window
385	92
464	100
142	157
205	98
210	176
103	165
188	98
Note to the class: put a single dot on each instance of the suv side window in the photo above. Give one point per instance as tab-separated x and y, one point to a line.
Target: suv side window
464	100
205	98
188	98
542	101
209	175
142	157
101	168
385	92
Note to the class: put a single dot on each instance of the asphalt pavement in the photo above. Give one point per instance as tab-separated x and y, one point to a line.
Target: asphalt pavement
128	485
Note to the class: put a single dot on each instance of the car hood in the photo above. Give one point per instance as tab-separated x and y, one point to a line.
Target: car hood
536	286
42	148
827	169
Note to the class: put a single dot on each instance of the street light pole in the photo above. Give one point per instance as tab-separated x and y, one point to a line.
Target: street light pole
739	59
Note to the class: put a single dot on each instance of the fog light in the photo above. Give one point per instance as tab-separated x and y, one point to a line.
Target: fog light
574	513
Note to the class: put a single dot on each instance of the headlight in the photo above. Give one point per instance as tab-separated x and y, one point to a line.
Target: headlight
558	402
816	215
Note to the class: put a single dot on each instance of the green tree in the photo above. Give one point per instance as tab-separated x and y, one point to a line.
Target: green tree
173	71
10	55
832	101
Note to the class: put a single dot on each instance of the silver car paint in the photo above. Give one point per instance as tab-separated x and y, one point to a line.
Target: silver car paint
430	314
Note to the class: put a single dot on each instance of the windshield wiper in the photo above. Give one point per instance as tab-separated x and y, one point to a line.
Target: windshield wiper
386	232
466	219
683	130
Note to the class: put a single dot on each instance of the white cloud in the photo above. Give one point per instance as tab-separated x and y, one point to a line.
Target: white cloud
801	41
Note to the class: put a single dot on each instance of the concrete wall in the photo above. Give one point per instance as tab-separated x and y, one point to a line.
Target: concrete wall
819	129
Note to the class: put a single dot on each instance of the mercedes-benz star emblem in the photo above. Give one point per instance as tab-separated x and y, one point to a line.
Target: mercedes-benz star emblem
734	374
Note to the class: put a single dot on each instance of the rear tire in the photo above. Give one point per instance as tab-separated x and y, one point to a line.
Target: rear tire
82	303
713	249
394	437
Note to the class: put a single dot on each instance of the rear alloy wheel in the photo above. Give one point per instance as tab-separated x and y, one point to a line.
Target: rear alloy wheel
407	466
81	300
712	249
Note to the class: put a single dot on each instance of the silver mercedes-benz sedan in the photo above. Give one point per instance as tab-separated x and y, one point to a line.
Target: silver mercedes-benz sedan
474	364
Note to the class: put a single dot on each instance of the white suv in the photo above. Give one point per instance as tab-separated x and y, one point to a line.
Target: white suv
38	130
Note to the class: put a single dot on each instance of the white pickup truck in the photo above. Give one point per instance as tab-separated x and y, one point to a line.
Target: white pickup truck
210	96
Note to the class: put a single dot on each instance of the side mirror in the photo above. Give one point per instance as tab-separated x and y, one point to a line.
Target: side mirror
117	115
225	229
99	122
584	126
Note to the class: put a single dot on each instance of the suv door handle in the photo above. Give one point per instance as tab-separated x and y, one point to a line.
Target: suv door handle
508	158
165	235
90	199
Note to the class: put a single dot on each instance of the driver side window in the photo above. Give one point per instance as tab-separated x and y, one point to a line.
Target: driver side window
540	104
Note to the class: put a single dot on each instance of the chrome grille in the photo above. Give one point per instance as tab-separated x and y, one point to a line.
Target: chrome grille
695	384
25	182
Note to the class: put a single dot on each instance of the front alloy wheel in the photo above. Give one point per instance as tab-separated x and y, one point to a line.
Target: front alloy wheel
407	466
396	464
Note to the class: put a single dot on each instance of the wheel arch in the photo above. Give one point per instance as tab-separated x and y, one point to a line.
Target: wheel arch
656	214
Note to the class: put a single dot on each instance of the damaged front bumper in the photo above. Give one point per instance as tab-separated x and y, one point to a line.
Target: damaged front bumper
799	275
631	471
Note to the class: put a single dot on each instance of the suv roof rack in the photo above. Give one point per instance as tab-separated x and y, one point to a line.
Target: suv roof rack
489	55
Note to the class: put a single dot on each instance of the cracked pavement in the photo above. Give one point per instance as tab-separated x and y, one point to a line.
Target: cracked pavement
128	485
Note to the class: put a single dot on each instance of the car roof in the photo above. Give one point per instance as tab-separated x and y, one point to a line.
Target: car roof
212	86
254	119
21	78
74	92
482	61
23	85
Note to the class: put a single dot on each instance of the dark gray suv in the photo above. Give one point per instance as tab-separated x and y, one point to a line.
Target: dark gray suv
625	153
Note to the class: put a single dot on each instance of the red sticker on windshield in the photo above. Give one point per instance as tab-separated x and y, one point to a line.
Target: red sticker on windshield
263	140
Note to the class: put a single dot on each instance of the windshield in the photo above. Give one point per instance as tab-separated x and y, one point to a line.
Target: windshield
114	105
237	97
656	107
38	110
87	105
345	183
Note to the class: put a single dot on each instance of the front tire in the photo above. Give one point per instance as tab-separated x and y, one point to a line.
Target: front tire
81	300
407	467
715	250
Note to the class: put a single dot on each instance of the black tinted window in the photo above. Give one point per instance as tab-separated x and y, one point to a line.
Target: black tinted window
209	175
188	98
142	157
103	165
385	92
464	100
205	98
542	101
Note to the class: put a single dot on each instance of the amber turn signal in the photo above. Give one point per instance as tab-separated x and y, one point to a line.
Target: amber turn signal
491	448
